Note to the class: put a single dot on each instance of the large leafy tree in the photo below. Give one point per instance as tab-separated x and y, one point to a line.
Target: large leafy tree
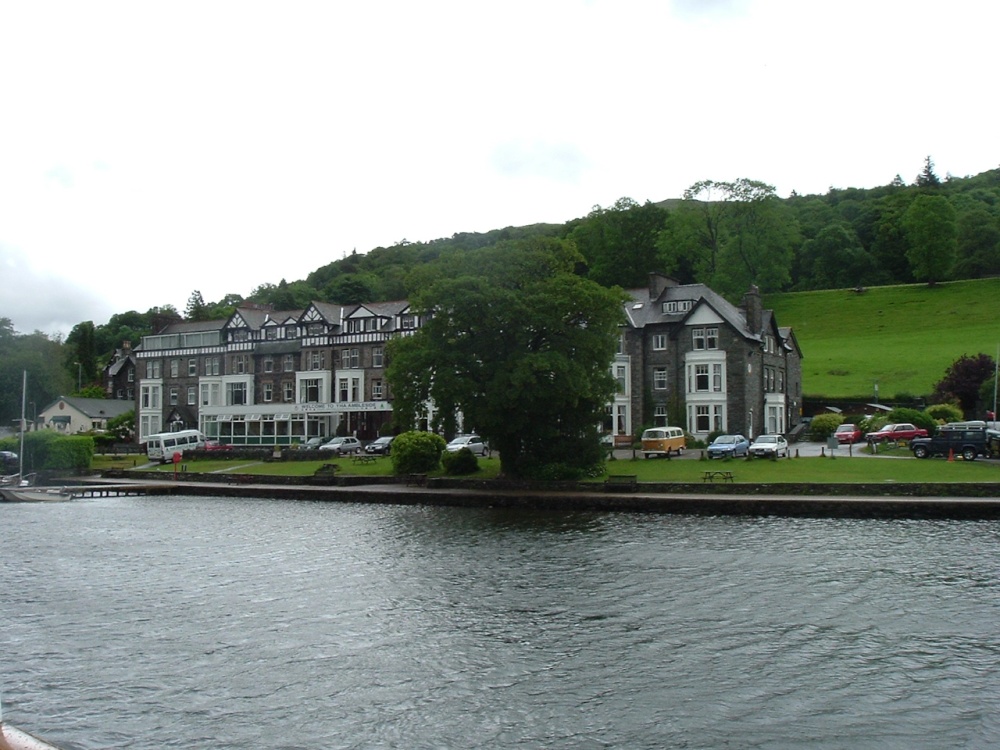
730	235
619	243
963	379
42	359
835	259
522	346
82	356
932	235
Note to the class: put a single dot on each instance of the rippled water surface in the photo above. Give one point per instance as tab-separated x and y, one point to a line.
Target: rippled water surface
206	623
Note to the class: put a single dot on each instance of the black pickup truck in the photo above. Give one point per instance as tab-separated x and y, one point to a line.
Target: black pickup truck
965	439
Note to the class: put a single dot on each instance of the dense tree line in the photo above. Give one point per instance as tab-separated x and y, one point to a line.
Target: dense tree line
724	234
727	235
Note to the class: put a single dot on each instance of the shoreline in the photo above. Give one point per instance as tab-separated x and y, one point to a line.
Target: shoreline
920	501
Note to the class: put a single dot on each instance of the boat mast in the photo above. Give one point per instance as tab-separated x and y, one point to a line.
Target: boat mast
20	456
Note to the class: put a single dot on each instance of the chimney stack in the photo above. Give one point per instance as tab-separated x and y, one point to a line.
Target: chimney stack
753	309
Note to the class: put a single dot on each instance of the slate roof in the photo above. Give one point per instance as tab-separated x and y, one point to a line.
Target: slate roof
641	310
96	408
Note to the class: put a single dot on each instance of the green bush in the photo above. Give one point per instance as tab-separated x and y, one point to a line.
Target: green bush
46	449
918	418
945	413
416	452
823	425
76	453
460	462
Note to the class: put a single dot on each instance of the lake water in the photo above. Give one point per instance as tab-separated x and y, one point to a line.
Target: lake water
209	623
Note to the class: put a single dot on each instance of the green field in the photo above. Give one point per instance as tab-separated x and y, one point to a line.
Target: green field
904	337
897	466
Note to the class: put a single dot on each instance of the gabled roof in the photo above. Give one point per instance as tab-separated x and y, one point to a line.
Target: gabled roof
388	309
95	408
283	318
641	310
789	341
120	364
325	311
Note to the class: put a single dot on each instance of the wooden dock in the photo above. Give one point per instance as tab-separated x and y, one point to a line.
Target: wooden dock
118	490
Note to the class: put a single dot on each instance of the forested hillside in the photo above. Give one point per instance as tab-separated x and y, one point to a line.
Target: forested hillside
724	234
728	235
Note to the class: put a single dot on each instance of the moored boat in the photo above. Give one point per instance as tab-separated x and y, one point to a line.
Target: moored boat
12	738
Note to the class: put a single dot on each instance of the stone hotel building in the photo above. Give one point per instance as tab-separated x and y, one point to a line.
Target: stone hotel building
266	377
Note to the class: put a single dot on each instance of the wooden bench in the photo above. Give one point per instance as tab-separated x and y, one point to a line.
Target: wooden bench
363	458
621	481
711	476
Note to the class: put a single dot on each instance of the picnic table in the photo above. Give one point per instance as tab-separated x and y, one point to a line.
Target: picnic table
711	476
363	458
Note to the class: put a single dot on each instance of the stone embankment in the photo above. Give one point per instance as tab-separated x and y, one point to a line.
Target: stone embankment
888	500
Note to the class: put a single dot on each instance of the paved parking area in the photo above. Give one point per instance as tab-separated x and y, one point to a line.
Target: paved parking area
804	449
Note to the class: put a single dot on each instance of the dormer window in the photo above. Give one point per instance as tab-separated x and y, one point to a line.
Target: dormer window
669	307
316	329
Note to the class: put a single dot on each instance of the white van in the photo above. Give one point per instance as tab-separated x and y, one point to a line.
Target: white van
662	441
164	446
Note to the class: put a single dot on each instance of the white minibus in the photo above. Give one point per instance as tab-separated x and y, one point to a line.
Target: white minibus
164	446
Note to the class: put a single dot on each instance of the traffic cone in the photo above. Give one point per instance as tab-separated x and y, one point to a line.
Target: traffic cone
951	454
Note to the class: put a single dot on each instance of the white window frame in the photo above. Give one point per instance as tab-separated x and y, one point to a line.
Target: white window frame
659	378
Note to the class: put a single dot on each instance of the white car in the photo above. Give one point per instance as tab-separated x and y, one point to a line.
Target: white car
473	442
342	445
769	446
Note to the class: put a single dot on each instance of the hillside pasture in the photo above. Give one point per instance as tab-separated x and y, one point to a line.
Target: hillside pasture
903	337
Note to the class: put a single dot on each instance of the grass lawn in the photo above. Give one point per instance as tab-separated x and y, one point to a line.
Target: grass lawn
895	466
841	469
905	337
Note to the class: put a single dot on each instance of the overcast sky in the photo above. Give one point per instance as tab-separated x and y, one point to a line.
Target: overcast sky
148	149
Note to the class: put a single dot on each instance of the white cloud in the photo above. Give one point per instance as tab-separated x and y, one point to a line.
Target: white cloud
148	151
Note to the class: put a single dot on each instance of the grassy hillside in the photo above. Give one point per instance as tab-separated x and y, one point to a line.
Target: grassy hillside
905	337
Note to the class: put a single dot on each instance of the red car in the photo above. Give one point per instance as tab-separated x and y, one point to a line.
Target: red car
847	433
896	432
215	445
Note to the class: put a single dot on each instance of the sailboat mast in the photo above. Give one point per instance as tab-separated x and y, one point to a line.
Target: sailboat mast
20	455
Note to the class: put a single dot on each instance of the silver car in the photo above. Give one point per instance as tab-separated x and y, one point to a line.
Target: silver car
473	442
342	445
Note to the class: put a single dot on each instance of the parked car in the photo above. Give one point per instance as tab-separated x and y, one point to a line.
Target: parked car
847	433
342	445
215	445
728	446
896	432
473	442
769	446
380	447
315	442
965	439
